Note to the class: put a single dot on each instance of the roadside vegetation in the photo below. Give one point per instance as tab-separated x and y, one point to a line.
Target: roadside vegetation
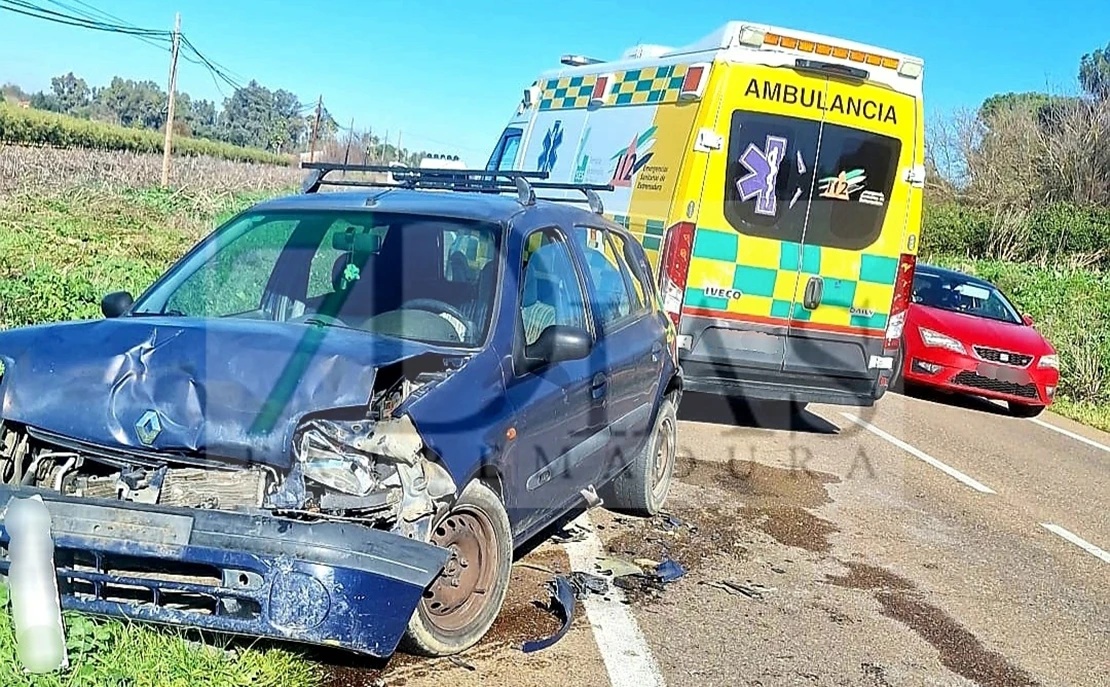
1019	194
41	128
105	653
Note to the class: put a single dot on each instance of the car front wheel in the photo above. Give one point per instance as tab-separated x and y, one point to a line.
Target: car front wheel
460	606
1022	410
643	487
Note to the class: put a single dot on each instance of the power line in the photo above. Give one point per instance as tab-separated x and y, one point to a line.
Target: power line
37	12
95	15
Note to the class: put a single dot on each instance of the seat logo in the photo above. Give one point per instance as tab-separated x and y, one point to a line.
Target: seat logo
148	427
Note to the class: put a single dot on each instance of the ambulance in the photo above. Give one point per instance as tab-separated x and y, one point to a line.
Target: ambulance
775	178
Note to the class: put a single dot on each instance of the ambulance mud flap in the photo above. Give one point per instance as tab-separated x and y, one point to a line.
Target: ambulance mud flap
336	584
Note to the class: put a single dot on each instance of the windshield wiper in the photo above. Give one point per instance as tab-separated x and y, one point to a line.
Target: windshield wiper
168	313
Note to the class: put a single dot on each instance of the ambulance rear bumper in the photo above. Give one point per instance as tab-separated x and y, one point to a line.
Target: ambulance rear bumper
713	378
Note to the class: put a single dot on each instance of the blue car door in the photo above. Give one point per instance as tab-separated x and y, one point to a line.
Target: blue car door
631	336
561	428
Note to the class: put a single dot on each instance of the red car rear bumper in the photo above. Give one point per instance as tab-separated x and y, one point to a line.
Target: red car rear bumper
950	371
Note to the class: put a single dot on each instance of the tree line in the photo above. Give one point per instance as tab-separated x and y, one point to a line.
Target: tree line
253	116
1025	176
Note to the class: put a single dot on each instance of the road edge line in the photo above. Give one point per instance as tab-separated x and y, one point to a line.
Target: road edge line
1078	541
922	456
1071	435
623	647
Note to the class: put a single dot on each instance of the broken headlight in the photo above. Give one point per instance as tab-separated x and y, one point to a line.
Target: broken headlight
326	460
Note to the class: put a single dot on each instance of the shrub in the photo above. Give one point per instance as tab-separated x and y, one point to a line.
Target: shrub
40	128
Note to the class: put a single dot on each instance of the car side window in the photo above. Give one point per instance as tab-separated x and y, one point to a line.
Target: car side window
550	292
639	292
615	299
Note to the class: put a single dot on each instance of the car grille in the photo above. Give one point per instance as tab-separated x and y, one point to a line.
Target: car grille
1005	357
977	381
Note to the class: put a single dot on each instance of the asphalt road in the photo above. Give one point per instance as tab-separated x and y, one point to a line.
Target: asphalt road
925	541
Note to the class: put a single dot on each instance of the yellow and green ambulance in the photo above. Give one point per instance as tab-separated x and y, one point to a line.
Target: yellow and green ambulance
775	178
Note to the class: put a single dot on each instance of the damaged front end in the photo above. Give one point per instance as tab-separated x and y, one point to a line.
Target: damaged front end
334	550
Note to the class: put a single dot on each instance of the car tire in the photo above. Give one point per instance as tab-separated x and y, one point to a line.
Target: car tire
642	488
1023	410
449	620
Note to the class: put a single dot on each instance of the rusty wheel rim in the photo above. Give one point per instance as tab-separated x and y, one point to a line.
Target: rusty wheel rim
664	458
460	593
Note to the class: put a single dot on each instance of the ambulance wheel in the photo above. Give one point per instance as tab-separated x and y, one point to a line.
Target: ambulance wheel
897	381
643	487
459	607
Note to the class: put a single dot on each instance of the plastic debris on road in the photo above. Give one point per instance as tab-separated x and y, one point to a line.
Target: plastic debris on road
751	589
585	584
562	607
618	567
33	587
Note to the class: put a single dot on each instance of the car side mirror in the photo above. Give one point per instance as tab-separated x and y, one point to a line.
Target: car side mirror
1028	320
560	343
115	304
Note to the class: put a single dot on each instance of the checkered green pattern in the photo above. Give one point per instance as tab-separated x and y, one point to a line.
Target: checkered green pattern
766	272
648	85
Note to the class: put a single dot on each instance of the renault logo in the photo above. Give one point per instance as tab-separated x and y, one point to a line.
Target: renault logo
148	427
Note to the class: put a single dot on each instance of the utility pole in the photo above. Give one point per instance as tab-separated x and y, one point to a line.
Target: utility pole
316	128
172	101
350	137
400	158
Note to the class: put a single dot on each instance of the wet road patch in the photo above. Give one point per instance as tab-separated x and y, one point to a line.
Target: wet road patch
960	650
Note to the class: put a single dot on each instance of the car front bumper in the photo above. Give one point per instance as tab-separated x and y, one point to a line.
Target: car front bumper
951	371
334	584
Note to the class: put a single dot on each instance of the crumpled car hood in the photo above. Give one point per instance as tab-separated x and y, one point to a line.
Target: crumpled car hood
225	389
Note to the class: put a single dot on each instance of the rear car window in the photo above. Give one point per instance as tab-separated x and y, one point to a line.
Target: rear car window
774	172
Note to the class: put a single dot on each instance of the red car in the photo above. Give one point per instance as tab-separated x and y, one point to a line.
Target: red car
963	335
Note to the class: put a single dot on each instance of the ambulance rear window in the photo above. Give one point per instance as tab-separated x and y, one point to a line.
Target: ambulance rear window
771	172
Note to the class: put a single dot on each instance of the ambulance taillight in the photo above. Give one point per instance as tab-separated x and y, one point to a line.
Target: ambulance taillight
677	249
903	291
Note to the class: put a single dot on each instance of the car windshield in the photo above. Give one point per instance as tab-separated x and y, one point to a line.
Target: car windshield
414	277
960	295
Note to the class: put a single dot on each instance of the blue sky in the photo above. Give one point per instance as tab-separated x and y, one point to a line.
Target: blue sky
447	74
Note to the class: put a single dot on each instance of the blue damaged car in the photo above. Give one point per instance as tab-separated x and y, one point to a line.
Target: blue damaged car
336	418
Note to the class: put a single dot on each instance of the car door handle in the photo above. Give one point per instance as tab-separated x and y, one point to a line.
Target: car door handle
600	381
656	350
814	289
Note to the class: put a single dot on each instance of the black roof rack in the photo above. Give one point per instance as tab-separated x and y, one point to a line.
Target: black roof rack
461	180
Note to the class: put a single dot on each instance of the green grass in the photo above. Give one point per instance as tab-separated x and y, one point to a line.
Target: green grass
1095	415
107	653
60	254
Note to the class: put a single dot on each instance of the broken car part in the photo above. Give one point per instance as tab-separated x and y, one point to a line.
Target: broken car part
562	607
342	584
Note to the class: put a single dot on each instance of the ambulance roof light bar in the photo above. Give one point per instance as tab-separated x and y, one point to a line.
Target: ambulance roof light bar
752	37
911	68
579	60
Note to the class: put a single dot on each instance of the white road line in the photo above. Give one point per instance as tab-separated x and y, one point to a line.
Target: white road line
1072	435
948	470
628	660
1078	541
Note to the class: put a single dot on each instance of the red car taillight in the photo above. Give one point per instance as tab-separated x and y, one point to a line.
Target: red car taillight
903	290
677	248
